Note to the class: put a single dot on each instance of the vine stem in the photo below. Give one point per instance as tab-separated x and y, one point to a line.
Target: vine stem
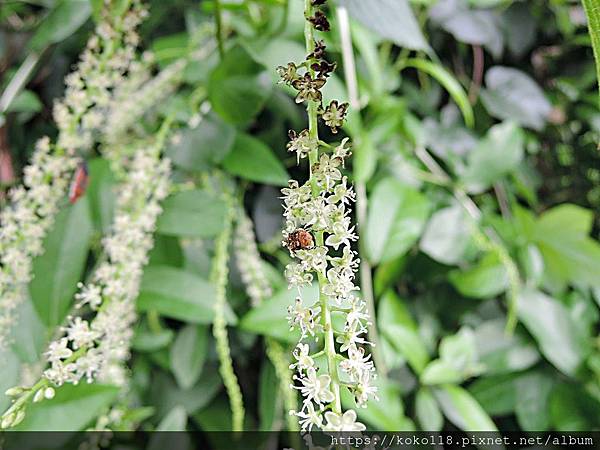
313	159
366	277
219	277
219	24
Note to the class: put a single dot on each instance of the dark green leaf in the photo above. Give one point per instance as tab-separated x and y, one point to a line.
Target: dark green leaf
499	153
64	19
72	409
58	270
268	396
533	398
251	159
180	295
391	19
447	235
486	279
512	95
269	318
194	214
101	193
463	410
550	324
397	215
239	87
203	146
497	394
188	353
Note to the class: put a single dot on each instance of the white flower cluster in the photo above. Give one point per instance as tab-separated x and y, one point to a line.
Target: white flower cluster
98	348
335	264
136	97
109	56
25	223
249	262
81	114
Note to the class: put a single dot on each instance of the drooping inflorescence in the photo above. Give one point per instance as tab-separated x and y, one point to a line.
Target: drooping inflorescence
319	208
79	116
96	349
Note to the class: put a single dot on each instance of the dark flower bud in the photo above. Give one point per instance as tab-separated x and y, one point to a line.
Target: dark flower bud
319	21
323	68
319	50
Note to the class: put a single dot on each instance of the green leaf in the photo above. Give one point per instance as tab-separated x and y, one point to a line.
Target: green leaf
180	295
401	331
449	82
496	394
175	420
447	235
72	409
62	21
500	353
188	353
57	271
269	318
573	409
472	26
463	410
251	159
512	95
268	396
27	102
397	215
498	153
202	147
427	410
486	279
9	375
193	214
593	18
385	414
239	87
549	322
565	219
29	335
393	20
165	394
145	340
533	398
440	372
167	49
101	194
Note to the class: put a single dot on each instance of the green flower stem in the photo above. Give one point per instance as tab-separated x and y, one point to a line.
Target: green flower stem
313	159
219	277
279	359
219	25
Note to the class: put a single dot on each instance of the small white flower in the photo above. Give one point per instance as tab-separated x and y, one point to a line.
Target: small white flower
301	354
316	387
58	350
309	417
344	422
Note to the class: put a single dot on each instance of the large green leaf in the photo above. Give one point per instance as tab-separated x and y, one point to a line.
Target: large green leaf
533	398
496	394
239	87
101	194
428	411
512	95
62	21
549	322
463	410
486	279
180	295
195	214
399	328
269	318
447	235
253	160
57	271
72	409
201	147
500	353
499	153
9	375
390	19
188	353
397	215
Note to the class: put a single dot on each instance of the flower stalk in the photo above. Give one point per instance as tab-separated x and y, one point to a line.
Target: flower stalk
219	276
318	233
